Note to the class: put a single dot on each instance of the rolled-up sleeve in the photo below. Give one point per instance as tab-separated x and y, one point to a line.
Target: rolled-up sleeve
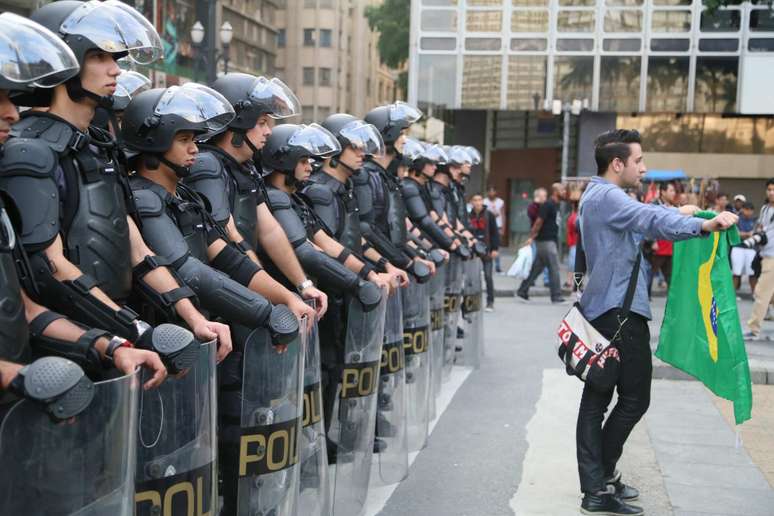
656	222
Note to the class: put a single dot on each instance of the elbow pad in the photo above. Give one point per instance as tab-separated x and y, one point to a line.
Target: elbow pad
82	351
236	265
223	296
329	273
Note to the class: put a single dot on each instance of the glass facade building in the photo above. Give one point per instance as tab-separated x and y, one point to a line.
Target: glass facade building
623	56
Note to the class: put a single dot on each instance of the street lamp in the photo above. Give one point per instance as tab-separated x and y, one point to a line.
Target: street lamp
226	34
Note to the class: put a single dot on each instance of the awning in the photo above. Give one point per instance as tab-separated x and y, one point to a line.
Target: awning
664	175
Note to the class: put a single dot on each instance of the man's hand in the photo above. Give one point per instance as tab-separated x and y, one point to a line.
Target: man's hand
398	274
721	221
493	254
445	254
527	242
301	309
654	247
688	209
127	360
206	331
430	264
320	298
383	281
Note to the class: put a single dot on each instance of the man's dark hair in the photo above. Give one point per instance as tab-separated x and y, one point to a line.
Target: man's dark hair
491	187
721	194
614	144
769	182
748	206
663	187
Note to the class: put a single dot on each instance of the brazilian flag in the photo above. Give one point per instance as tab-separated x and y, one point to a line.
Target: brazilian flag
701	333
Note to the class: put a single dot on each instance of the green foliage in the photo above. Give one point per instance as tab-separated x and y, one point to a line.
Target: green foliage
391	20
714	5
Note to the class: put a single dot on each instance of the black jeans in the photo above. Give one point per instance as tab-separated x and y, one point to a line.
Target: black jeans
599	447
490	293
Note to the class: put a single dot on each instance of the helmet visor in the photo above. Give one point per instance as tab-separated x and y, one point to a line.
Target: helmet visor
196	104
33	56
475	156
413	149
435	153
115	27
317	140
363	136
275	98
129	84
402	112
459	155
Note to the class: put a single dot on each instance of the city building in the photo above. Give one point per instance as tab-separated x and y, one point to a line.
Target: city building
328	55
696	84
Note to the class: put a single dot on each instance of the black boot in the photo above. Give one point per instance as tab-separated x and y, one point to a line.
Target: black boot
609	504
622	491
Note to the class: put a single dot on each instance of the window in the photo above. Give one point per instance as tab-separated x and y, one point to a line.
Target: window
438	43
308	37
761	45
622	45
437	80
719	45
671	21
529	21
623	20
528	44
715	90
574	45
481	81
762	20
325	38
281	38
482	43
323	113
670	45
308	76
526	81
307	113
573	77
484	21
667	84
721	21
619	83
325	76
439	20
576	21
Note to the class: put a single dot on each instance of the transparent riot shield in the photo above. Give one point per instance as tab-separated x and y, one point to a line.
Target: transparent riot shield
391	443
353	422
177	443
83	466
472	314
437	290
272	410
451	307
416	342
314	497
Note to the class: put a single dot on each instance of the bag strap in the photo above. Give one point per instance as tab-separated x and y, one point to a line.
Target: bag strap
626	309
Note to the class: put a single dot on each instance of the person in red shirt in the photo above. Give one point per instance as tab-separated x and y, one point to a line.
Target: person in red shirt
661	259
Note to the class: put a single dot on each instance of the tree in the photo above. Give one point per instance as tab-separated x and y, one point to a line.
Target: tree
391	20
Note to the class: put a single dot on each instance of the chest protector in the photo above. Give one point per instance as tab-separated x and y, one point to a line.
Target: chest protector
341	215
395	210
245	196
13	325
94	208
351	238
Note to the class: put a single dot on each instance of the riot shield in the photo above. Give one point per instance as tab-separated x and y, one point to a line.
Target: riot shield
314	497
471	313
176	445
416	342
451	307
353	422
272	409
437	289
83	466
391	445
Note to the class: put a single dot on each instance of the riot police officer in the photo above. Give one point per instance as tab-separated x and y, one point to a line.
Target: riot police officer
227	175
67	183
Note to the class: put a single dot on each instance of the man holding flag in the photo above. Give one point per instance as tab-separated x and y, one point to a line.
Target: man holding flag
613	226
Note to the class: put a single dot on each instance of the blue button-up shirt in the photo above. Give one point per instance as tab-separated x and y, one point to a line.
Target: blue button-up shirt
613	226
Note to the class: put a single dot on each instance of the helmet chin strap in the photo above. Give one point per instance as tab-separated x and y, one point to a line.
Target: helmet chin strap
180	171
77	92
335	162
240	138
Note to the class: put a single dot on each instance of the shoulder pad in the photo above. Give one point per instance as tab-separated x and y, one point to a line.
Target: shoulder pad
54	133
206	165
278	200
409	188
371	167
360	177
28	157
27	176
319	194
148	203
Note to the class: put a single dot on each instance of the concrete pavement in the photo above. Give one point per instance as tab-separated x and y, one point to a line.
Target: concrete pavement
505	443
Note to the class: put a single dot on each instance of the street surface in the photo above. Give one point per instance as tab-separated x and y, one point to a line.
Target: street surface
505	444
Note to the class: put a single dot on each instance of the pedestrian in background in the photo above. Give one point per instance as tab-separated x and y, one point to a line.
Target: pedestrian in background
613	227
741	256
545	234
721	203
572	245
484	226
661	250
764	289
538	198
496	206
739	201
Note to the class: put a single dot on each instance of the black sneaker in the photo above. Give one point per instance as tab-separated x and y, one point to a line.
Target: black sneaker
609	504
559	301
622	491
522	295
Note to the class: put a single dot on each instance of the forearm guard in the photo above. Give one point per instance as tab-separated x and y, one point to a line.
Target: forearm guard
161	302
382	244
330	273
74	299
82	351
223	296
